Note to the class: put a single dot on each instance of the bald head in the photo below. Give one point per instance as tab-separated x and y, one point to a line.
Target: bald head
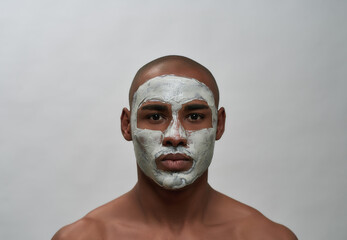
178	66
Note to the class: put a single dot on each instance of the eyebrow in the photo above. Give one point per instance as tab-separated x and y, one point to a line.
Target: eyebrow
195	107
156	107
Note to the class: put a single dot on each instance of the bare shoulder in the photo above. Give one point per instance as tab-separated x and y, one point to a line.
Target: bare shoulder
258	226
248	223
83	229
107	218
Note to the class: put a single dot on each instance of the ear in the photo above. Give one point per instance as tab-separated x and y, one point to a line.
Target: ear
125	124
220	123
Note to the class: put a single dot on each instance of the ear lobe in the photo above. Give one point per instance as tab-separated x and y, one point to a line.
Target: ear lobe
220	123
125	124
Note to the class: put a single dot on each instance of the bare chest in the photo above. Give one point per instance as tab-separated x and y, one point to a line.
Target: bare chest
164	233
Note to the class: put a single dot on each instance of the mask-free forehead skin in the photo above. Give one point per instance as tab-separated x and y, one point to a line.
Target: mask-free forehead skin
148	144
178	66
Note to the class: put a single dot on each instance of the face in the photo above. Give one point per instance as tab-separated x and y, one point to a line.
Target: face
173	122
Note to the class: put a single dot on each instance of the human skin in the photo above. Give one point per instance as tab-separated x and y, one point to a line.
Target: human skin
196	211
168	108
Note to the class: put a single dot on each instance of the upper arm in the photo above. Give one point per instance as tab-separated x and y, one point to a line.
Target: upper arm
273	231
84	229
284	233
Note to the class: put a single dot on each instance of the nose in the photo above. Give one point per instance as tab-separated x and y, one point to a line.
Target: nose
175	135
174	141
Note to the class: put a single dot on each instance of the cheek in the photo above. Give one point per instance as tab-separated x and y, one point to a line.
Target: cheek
148	139
202	140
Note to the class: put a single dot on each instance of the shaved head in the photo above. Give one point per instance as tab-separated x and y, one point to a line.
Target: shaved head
178	66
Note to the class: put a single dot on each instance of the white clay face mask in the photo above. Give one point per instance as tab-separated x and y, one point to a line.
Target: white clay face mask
148	144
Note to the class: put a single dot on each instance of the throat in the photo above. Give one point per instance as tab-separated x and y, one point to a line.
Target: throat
173	208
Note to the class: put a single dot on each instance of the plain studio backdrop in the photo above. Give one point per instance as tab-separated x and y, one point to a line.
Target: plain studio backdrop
65	70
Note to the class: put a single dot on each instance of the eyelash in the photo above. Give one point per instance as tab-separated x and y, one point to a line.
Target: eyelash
198	115
151	116
190	116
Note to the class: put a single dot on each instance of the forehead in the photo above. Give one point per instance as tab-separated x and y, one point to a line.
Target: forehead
172	89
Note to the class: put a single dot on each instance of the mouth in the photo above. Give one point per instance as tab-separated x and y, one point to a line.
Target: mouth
174	162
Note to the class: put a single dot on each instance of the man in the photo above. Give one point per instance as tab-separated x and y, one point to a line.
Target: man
173	122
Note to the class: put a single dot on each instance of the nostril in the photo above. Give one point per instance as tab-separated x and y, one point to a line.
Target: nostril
175	142
182	143
168	143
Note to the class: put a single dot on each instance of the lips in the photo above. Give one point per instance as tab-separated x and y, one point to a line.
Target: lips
174	162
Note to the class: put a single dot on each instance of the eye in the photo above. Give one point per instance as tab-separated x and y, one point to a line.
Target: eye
195	117
155	117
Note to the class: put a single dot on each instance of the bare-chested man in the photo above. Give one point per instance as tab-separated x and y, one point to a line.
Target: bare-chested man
173	122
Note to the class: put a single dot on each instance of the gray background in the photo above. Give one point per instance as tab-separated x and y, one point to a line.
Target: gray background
65	70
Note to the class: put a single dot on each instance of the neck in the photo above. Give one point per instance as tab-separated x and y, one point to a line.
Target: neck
172	207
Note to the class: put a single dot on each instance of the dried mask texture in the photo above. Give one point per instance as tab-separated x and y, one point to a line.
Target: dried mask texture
148	144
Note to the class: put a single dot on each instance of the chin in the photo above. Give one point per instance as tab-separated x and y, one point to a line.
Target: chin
175	180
